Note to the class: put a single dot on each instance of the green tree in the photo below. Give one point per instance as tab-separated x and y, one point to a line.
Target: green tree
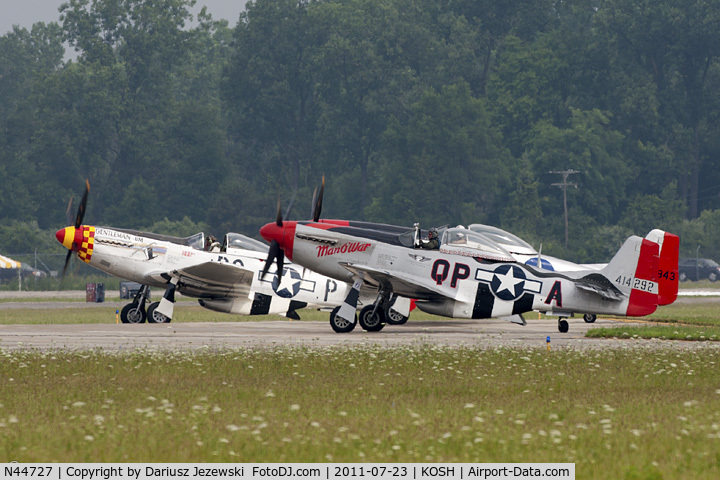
677	45
446	165
586	144
269	93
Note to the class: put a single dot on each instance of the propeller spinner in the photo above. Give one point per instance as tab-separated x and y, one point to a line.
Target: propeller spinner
281	234
71	237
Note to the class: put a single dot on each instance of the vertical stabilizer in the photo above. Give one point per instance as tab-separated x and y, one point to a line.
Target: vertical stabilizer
668	275
634	271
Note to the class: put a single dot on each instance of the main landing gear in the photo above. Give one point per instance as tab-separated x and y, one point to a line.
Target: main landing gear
339	324
372	318
136	312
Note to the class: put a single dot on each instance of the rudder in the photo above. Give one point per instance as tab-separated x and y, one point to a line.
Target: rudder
634	271
668	275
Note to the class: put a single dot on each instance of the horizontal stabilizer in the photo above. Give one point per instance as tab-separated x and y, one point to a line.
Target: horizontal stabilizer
518	319
599	284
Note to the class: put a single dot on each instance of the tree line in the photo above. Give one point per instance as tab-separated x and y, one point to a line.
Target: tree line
438	112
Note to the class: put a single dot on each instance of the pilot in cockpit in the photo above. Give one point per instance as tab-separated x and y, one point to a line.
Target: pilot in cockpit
211	244
433	243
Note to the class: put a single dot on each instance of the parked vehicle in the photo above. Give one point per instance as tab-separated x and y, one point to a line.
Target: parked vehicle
129	289
698	269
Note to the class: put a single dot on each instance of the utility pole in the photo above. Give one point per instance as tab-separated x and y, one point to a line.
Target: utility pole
564	185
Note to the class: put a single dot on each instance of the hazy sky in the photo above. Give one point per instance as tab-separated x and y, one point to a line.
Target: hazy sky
26	12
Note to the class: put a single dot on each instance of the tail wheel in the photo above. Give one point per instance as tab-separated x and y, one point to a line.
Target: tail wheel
563	326
340	325
133	313
153	316
372	322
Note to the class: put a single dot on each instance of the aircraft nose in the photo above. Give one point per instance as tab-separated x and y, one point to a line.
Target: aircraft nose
283	234
67	237
272	231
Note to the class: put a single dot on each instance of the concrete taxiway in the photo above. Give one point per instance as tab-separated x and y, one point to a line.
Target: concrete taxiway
227	335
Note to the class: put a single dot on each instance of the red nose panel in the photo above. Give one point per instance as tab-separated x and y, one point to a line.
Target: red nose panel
283	235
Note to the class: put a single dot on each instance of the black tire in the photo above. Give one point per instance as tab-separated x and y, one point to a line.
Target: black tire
683	277
340	325
713	277
370	322
394	318
132	313
590	317
156	317
563	326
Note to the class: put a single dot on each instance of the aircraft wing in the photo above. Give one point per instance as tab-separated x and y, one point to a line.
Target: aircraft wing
213	279
399	284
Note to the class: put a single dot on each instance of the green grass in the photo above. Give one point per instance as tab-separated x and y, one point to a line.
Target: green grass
697	312
696	320
662	332
615	414
704	284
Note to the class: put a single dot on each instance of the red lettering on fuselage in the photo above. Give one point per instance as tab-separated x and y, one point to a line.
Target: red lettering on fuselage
441	270
352	247
555	294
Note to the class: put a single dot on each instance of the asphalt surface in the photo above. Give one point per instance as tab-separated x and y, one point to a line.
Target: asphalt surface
491	333
222	335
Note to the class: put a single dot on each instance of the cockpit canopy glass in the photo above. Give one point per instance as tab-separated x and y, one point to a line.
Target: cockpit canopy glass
237	240
196	241
507	240
467	242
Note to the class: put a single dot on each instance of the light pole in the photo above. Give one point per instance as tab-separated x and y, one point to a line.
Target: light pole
564	185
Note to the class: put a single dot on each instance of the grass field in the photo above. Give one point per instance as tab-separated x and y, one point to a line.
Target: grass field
640	413
615	414
696	320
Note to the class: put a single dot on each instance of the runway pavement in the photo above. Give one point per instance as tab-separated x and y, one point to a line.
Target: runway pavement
221	335
490	333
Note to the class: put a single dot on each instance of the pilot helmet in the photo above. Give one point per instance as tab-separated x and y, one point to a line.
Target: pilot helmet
432	233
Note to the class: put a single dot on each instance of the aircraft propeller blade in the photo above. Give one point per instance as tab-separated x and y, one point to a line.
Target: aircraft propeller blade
317	202
77	221
68	212
278	216
275	253
83	204
67	261
280	263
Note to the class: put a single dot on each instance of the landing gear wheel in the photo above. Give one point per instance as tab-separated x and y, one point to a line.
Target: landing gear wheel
590	317
370	322
340	325
563	325
156	317
394	318
132	313
683	277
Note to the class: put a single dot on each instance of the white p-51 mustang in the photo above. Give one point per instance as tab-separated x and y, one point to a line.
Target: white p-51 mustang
225	278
